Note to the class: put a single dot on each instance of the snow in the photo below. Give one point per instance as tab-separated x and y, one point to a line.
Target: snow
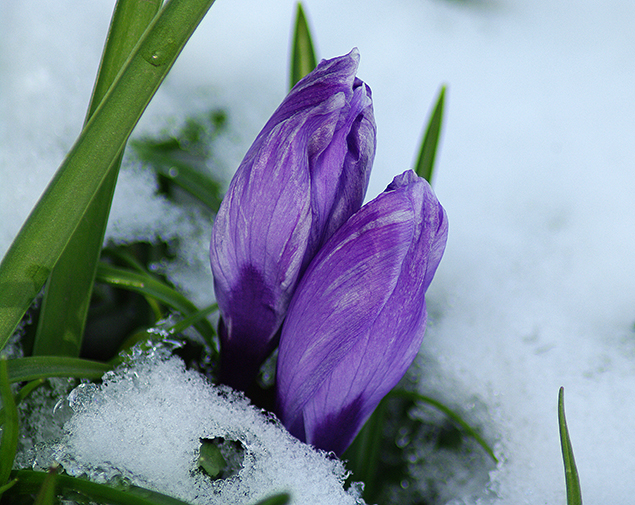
535	171
145	424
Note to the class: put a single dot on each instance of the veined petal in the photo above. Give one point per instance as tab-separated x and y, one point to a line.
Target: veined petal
305	174
358	316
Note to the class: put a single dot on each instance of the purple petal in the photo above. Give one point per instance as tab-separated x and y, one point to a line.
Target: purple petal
304	175
358	316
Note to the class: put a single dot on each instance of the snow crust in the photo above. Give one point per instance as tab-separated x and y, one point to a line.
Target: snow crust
145	423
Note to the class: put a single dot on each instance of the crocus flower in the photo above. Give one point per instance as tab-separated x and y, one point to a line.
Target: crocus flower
358	317
304	176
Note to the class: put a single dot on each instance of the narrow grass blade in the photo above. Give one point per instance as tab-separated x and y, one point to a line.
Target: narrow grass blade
7	486
150	286
181	326
22	394
193	319
468	430
10	428
303	59
46	495
364	453
181	158
38	367
27	389
203	188
574	493
67	295
68	290
130	20
39	244
427	153
30	482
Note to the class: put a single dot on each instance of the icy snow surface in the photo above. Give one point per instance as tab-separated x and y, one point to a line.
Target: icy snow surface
536	171
145	424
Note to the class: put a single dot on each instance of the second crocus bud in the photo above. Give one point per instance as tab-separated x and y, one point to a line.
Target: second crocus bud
357	319
304	176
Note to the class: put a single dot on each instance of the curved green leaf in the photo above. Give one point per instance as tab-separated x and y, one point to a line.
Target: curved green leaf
39	244
10	427
303	59
427	153
30	482
574	493
46	494
449	413
68	291
38	367
22	394
364	453
148	285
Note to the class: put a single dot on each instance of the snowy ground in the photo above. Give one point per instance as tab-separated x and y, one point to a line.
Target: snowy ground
537	286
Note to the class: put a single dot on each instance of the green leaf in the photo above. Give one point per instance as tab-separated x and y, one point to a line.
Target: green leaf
30	482
22	394
203	188
37	367
303	59
68	290
277	499
7	486
150	286
181	159
364	453
46	495
450	414
130	20
10	428
574	493
192	319
425	163
210	458
39	244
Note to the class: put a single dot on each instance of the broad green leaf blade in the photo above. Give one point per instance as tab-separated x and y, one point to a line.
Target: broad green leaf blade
130	20
450	414
10	428
574	493
425	163
303	59
29	482
68	291
149	286
37	367
39	244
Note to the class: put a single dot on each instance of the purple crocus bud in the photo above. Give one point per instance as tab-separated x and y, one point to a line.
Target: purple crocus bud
304	176
357	319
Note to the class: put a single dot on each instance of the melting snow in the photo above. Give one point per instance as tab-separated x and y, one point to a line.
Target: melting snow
145	424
